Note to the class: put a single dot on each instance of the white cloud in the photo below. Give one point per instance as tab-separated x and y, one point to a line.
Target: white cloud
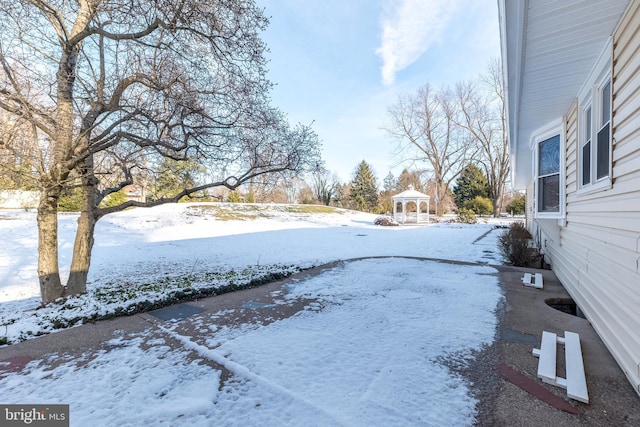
409	28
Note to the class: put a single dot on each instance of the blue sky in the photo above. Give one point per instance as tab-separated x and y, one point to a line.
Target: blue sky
342	63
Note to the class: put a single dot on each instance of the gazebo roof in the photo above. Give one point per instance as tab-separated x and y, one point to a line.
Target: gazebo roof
411	194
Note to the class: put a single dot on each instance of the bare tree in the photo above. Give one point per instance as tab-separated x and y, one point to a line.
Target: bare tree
414	178
325	185
269	187
427	124
483	115
15	172
126	84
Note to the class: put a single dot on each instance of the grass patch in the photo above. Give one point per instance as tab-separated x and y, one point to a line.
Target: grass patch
250	211
131	298
225	212
309	209
126	298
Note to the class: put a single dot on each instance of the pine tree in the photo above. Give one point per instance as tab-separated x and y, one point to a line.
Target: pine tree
172	177
364	188
390	183
470	183
389	188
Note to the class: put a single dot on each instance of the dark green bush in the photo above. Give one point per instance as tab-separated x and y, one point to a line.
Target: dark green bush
515	245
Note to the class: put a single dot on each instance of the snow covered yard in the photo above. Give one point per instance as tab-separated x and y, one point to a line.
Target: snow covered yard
143	257
371	349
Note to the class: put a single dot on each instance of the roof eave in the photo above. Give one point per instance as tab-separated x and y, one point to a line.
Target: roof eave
512	50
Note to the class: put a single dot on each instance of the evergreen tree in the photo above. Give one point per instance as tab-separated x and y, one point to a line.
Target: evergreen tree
174	176
390	183
341	198
364	188
234	196
114	199
389	188
70	199
470	183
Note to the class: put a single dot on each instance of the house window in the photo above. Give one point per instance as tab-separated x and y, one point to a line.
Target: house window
604	134
586	149
594	155
548	149
549	175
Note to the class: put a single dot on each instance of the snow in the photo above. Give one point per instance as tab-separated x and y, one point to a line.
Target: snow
372	346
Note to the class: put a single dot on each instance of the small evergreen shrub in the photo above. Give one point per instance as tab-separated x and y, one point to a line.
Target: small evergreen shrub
70	200
114	199
479	205
466	216
517	206
234	197
515	247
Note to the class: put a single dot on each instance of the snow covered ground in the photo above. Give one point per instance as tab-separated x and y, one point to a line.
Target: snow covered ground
372	349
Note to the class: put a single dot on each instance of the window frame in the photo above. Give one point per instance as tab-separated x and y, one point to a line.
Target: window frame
591	97
586	137
555	128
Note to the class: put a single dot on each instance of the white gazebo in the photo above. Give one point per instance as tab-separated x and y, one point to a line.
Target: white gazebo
405	200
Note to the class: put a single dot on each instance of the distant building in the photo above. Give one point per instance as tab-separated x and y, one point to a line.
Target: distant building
135	192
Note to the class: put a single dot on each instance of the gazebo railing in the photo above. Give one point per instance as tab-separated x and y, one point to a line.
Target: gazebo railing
411	217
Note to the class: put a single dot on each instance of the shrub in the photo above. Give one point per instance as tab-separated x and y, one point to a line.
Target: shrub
70	200
114	199
386	221
479	205
517	206
234	197
515	245
466	216
519	230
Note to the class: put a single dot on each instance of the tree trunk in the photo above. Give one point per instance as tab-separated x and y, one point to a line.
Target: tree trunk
81	260
50	285
440	195
497	203
83	244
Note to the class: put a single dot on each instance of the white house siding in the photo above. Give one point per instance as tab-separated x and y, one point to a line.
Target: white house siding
597	257
528	211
